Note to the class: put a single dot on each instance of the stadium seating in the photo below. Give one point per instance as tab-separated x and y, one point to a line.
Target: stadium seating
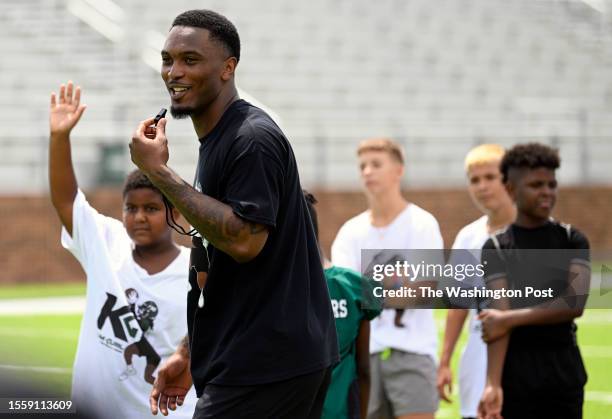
438	76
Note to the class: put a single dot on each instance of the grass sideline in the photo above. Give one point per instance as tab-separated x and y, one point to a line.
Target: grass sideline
67	289
50	341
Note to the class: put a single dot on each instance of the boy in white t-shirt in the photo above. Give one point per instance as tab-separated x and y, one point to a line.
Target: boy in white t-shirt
403	343
136	281
490	197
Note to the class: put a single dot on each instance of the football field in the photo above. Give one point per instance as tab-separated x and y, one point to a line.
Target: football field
41	347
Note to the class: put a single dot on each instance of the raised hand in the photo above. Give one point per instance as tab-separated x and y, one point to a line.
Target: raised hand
65	110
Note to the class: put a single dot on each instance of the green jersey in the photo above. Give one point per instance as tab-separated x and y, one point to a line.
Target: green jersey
351	297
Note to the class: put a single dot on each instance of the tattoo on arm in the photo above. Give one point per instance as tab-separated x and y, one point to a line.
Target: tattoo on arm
213	219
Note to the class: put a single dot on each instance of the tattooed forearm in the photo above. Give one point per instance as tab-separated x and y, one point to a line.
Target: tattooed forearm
211	218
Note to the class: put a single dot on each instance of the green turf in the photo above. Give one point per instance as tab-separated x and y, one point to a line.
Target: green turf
50	341
42	290
41	341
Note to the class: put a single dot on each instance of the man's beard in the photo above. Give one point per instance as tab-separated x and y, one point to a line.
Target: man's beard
181	113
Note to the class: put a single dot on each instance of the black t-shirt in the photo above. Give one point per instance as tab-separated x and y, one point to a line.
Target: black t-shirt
538	258
269	319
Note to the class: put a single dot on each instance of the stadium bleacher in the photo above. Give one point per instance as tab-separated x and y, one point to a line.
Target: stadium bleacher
438	76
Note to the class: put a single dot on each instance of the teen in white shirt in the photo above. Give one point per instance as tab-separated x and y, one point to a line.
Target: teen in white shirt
136	281
403	343
489	195
413	228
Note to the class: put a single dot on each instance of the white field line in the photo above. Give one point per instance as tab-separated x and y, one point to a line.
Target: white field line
592	351
48	305
445	412
46	370
591	316
595	316
35	333
76	305
602	397
598	396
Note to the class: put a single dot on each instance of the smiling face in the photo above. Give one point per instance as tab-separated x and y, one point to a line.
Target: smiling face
534	191
144	217
380	172
485	186
195	69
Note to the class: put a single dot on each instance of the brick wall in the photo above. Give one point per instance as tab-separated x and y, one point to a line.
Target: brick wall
29	235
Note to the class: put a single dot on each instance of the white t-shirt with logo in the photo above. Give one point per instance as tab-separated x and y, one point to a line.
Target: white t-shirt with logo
413	228
129	316
473	364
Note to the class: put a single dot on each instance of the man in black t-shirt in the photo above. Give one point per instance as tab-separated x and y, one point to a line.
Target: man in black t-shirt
261	330
534	365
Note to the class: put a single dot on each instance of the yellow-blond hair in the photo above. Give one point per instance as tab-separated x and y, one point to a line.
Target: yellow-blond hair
484	154
387	145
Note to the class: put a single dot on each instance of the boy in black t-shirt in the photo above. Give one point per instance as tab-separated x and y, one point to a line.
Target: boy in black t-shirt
534	366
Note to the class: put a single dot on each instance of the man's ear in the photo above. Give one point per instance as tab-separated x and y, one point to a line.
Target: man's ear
176	214
229	67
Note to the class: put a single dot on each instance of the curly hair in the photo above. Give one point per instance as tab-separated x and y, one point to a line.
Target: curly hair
529	156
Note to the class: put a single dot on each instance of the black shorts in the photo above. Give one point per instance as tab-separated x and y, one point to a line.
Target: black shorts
297	398
543	383
145	349
561	408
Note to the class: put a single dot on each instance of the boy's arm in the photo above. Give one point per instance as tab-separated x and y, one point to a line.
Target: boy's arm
491	402
454	324
65	112
363	366
558	310
571	303
492	399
